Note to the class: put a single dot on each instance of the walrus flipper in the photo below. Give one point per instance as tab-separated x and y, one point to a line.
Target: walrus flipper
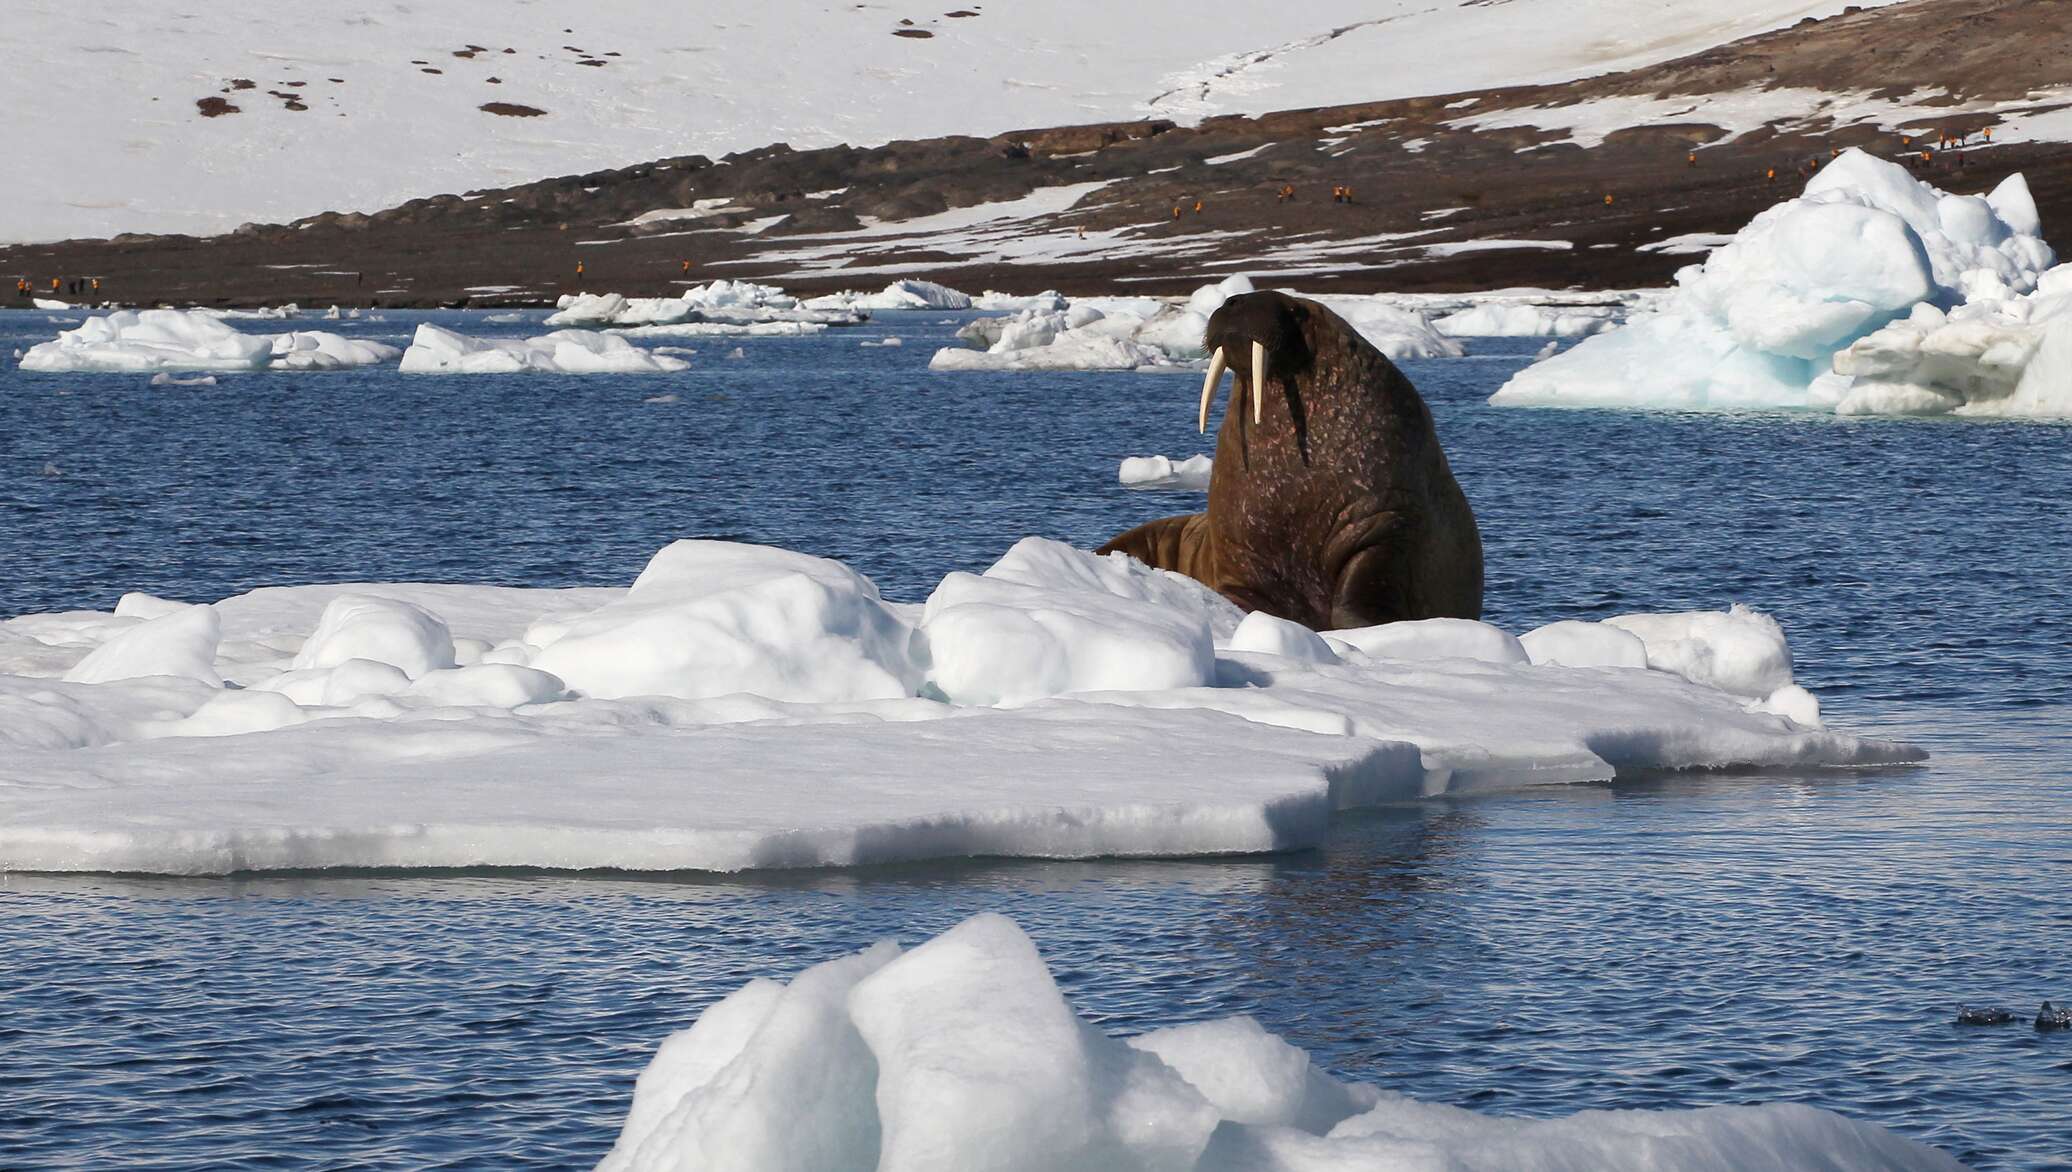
1179	544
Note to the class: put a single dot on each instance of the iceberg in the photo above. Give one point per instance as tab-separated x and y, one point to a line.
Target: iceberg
435	350
744	707
962	1053
1764	321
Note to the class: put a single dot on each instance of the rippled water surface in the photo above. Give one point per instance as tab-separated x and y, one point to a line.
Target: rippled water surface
1665	941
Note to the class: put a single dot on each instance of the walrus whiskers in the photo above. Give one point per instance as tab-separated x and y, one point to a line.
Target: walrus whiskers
1208	386
1258	383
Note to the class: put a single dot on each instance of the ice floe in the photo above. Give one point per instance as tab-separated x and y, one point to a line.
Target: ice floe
436	350
163	340
742	707
1149	334
897	295
1150	472
1873	292
962	1053
718	307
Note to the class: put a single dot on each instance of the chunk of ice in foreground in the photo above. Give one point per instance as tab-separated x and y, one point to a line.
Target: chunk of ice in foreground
962	1054
745	707
175	340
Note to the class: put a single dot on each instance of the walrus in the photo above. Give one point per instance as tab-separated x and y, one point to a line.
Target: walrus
1331	503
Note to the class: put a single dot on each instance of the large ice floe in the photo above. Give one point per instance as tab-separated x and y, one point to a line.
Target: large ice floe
1872	293
171	339
436	350
743	707
713	309
962	1054
1147	334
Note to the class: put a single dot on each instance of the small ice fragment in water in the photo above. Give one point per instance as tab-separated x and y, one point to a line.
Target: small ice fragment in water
50	469
1546	351
1985	1017
661	399
2051	1017
737	352
162	379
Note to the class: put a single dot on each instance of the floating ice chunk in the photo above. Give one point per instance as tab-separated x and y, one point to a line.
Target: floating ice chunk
779	1081
316	350
150	340
1148	472
1430	639
982	1064
1579	644
1761	321
435	350
710	618
897	295
385	630
162	379
1264	634
176	643
962	1054
1049	299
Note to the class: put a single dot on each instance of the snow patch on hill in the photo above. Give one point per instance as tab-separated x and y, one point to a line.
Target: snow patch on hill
160	117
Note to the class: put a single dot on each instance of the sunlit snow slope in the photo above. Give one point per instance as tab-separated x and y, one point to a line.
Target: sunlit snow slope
356	107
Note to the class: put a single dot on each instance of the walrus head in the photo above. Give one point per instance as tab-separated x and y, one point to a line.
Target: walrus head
1255	335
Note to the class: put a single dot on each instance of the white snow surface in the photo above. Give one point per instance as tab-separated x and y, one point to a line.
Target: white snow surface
164	340
963	1054
743	707
1871	292
402	117
437	350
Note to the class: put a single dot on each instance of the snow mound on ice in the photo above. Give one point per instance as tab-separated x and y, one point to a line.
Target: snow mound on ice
178	643
713	618
1760	322
963	1054
743	707
1188	475
435	350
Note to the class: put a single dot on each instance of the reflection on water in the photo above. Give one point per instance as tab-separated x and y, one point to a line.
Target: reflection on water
1666	941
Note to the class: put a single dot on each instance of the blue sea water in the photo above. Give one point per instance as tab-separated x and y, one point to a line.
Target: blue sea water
1676	940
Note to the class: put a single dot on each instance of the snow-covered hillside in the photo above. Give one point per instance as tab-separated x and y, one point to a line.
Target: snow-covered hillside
188	116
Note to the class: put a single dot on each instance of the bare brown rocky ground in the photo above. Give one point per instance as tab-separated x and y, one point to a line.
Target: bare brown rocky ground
1404	161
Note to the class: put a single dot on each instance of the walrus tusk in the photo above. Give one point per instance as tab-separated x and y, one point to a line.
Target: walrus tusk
1258	382
1208	386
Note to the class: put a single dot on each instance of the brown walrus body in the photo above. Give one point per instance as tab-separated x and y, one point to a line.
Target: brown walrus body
1331	503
